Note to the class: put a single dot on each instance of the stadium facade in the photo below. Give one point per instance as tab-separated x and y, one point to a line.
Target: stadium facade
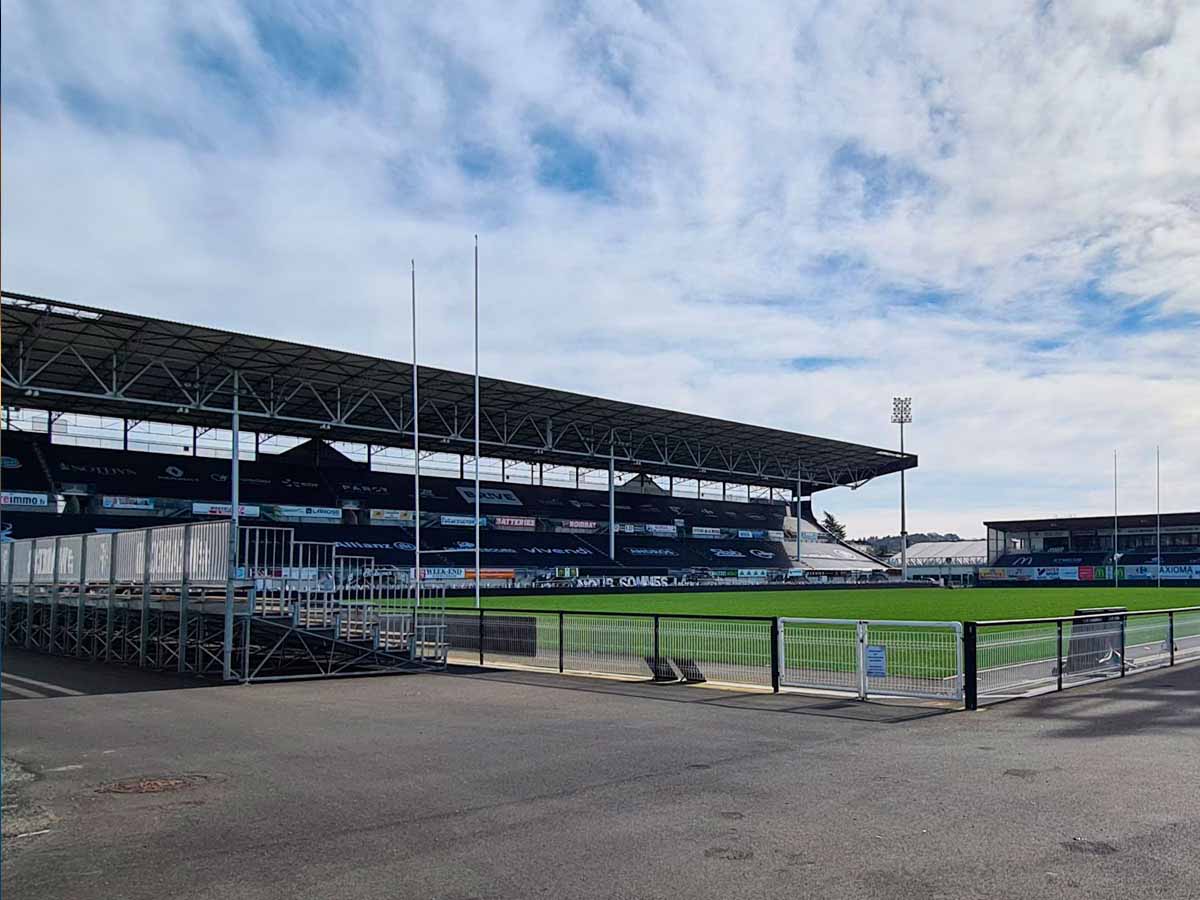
1094	550
67	360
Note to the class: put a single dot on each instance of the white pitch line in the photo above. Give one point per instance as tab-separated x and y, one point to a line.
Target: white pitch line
44	684
23	692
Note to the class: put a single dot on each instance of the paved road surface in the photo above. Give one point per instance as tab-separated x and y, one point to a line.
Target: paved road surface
520	785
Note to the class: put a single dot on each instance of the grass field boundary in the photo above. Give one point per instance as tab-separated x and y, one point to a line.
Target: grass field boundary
1128	614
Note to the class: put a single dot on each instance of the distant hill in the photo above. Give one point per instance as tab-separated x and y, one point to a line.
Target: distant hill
885	545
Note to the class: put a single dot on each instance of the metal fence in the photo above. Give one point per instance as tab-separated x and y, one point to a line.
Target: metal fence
165	598
901	659
873	658
1023	657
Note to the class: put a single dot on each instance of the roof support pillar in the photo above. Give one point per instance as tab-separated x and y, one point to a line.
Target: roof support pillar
799	488
231	573
612	506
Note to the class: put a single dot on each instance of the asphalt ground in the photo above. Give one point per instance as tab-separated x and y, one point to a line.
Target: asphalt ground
517	785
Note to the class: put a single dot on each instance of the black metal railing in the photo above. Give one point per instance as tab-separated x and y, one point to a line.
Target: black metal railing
1009	658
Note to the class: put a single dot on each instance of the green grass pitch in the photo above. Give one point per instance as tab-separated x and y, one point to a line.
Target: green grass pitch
931	604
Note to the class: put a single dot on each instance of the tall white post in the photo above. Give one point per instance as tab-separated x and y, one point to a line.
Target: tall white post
903	517
477	528
1116	525
1158	513
416	420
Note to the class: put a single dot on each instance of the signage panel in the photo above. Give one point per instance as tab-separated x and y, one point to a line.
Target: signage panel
245	510
310	512
23	498
393	515
128	502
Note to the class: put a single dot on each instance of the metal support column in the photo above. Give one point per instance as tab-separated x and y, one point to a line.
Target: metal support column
232	561
776	639
82	586
612	505
144	630
799	504
185	577
970	666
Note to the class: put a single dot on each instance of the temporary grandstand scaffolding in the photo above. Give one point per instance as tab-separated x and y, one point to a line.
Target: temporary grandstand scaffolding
166	598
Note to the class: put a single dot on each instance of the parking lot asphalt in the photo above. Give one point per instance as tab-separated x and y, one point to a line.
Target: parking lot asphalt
491	784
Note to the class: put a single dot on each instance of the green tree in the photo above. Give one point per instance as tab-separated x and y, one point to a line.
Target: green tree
833	526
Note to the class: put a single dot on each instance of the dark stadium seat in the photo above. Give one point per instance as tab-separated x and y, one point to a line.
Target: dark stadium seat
20	466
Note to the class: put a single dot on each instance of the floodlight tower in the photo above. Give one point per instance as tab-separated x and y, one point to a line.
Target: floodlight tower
902	415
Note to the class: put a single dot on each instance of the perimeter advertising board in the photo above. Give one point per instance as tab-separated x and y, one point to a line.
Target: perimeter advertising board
27	499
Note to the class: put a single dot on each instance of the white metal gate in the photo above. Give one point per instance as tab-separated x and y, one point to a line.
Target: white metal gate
872	658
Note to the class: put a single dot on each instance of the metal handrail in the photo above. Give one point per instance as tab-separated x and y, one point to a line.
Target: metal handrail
1047	619
587	612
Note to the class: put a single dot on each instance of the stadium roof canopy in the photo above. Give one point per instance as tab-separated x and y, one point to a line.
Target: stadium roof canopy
963	553
1090	523
65	357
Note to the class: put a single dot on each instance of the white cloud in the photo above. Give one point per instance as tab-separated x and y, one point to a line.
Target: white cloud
928	191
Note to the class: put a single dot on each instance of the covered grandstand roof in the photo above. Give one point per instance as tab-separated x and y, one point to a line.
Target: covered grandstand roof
68	357
938	552
1087	523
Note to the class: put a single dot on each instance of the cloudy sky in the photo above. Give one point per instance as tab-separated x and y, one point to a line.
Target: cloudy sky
778	213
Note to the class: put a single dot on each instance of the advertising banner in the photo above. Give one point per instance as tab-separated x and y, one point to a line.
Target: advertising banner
1087	573
661	530
128	502
310	512
492	574
492	496
406	516
753	573
245	510
1140	572
701	531
775	536
523	523
993	574
579	524
462	520
745	533
1181	571
442	573
23	498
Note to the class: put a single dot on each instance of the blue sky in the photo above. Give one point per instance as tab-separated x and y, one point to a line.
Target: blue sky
780	213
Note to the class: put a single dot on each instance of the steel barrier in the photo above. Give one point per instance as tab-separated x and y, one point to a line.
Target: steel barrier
164	597
898	659
1011	658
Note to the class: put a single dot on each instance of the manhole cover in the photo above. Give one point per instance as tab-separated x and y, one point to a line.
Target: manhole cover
154	784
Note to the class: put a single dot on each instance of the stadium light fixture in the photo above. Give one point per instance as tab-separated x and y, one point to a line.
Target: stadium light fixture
902	415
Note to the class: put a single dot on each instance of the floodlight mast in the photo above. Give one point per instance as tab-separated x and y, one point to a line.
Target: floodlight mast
902	415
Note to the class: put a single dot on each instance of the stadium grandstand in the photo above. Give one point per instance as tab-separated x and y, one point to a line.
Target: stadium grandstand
947	562
1090	549
115	421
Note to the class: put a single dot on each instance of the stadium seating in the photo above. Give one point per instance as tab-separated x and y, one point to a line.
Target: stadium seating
568	528
21	462
1030	560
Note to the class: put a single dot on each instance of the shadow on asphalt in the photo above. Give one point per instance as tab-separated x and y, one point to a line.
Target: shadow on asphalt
55	677
793	704
1166	699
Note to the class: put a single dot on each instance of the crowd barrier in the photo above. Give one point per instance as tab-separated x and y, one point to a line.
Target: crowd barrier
1013	658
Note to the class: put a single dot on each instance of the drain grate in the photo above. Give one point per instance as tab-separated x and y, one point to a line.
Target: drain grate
154	784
